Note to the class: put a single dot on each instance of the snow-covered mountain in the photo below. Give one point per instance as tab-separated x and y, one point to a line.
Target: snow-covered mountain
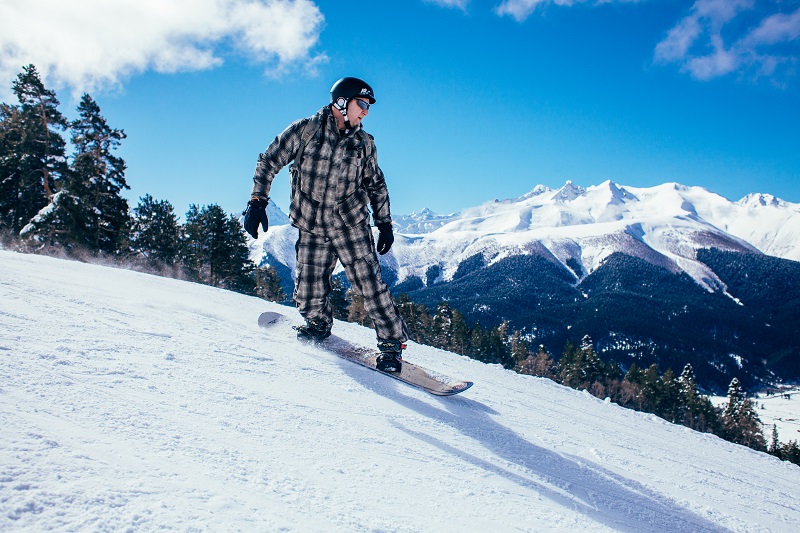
425	221
664	225
131	402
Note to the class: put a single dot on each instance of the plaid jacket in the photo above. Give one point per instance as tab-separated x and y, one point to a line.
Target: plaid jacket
336	181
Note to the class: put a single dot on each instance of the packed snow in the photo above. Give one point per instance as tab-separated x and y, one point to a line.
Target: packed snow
781	410
132	402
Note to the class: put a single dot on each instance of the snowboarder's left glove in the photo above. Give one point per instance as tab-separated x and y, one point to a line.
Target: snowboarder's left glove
255	214
385	238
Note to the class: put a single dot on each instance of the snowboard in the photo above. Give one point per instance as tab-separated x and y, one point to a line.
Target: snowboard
411	374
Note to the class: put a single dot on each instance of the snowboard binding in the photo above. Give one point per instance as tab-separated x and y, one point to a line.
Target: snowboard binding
313	331
391	357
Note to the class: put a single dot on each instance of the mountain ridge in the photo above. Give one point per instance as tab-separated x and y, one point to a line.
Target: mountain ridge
585	225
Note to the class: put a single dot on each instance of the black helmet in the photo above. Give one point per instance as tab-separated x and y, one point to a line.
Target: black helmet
349	88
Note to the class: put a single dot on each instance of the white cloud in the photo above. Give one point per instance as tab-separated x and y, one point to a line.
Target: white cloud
460	4
716	38
522	9
775	29
518	9
719	37
91	44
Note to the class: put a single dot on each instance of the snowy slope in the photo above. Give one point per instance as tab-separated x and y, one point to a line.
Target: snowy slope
665	225
134	402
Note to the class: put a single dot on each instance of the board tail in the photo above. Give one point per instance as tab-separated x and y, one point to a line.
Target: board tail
269	318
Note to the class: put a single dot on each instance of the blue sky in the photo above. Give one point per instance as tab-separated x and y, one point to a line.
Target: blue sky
476	99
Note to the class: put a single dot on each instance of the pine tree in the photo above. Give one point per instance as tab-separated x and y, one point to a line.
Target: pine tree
566	366
635	375
11	135
612	371
735	400
268	284
338	298
408	310
740	422
53	227
476	343
214	249
774	443
687	396
98	178
791	452
493	349
32	151
706	417
669	406
460	333
443	326
417	318
652	389
155	232
89	212
694	410
580	367
356	312
594	368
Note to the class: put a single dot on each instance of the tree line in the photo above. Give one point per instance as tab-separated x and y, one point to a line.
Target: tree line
71	204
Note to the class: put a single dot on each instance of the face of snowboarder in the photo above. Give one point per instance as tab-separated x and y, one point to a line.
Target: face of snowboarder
355	113
357	109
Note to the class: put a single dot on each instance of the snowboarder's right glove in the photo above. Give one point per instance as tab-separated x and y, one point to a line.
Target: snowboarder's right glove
385	237
255	214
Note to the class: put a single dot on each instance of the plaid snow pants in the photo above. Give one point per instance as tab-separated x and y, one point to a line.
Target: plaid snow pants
354	247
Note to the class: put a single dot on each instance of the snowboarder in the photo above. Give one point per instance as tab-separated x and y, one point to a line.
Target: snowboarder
335	175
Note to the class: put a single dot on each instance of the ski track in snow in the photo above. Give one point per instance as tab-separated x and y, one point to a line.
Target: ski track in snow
131	402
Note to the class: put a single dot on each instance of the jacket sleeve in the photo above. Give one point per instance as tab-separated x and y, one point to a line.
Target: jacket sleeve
280	153
375	185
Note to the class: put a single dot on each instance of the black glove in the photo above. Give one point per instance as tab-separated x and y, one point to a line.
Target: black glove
255	214
385	238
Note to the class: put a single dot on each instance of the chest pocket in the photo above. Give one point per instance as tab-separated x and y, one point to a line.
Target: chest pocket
352	163
354	201
314	167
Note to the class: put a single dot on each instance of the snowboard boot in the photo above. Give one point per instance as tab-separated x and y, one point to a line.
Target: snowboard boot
313	331
391	357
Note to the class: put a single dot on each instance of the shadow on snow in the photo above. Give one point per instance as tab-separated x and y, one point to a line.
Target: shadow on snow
575	483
